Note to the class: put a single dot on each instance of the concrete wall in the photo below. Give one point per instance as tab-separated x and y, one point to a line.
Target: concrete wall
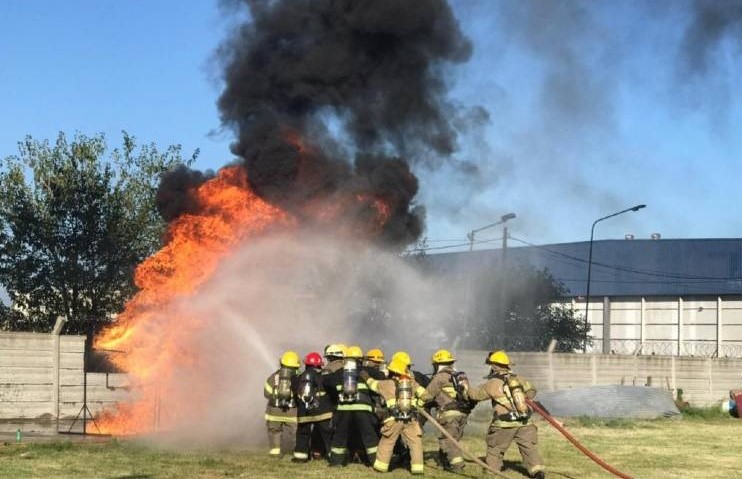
41	382
704	381
685	326
42	379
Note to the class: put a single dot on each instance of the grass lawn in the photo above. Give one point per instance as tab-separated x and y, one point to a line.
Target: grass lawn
692	447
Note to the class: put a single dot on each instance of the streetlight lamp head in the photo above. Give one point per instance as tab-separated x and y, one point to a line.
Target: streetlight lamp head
508	216
638	207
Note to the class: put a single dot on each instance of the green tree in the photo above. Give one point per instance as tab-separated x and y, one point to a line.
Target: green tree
75	220
523	309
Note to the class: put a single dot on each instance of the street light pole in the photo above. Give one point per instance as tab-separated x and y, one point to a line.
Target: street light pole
590	263
503	219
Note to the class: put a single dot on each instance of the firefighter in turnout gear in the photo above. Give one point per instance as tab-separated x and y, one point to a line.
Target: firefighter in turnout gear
334	355
421	379
374	359
418	376
512	415
402	396
280	413
449	389
314	409
374	363
354	409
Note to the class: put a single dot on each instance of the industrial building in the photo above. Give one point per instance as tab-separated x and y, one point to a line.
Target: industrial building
647	296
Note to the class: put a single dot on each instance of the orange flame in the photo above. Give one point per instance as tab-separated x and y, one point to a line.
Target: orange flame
151	330
229	213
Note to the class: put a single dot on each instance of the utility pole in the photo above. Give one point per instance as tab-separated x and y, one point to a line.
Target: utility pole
499	321
504	284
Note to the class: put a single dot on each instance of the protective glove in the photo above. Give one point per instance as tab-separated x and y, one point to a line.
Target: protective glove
364	375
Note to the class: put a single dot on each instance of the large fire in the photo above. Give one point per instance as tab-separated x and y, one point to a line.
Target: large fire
149	334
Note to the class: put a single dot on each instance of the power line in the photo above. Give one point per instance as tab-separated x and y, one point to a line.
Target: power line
460	245
573	260
627	269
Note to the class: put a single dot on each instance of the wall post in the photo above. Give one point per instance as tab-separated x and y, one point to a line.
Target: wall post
606	325
55	372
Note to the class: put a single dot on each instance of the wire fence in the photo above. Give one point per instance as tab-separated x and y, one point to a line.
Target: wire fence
707	349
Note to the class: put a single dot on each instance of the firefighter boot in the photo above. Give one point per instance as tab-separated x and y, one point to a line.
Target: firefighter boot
442	459
338	459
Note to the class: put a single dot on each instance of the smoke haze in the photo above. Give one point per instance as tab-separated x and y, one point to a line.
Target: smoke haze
297	292
592	105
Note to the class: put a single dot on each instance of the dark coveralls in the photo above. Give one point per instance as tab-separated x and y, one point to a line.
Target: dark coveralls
316	416
353	419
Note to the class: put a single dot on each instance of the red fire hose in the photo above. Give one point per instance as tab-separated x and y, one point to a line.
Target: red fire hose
575	442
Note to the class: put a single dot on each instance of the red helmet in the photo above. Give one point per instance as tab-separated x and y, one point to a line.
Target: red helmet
313	359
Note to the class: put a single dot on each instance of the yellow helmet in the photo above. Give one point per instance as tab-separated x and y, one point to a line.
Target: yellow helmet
398	366
498	358
402	356
442	356
376	355
354	352
335	350
290	359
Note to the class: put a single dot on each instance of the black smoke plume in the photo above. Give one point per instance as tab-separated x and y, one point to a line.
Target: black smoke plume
329	96
174	193
712	22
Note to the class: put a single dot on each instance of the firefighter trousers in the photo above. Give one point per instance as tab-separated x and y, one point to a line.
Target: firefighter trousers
304	437
347	424
412	435
276	430
454	423
525	437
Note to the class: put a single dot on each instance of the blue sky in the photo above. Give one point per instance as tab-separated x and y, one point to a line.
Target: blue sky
594	107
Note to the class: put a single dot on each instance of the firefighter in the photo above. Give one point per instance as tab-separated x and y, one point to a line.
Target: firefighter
314	409
449	388
334	355
280	413
374	359
512	415
420	377
400	449
402	395
354	420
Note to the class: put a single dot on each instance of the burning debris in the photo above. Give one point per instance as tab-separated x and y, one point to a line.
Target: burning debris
331	102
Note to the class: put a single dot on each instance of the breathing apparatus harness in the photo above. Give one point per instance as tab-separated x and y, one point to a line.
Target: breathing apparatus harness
404	408
519	411
460	383
282	396
307	390
349	391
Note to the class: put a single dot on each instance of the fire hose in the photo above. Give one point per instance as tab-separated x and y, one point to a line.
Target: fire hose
458	444
535	406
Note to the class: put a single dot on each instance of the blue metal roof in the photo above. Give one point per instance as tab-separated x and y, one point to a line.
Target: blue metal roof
664	267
